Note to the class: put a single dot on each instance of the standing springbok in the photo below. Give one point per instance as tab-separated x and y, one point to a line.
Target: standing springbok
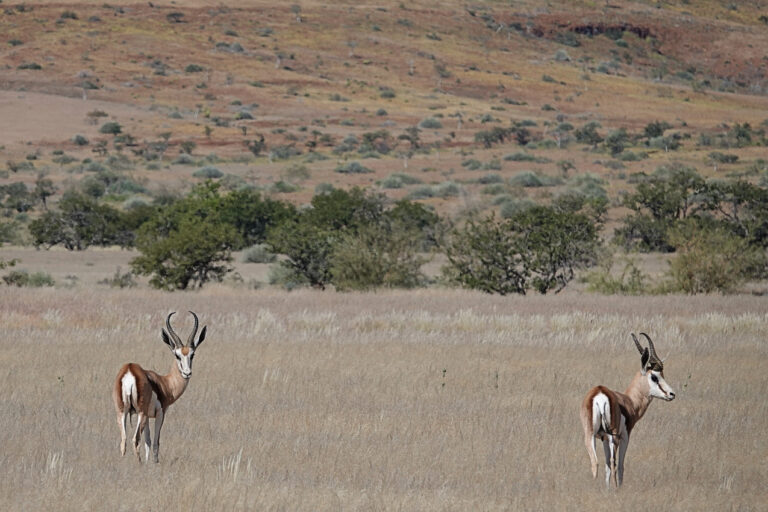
610	416
144	392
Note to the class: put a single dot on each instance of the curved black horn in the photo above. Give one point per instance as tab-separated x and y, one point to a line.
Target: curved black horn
191	339
637	343
171	332
654	361
650	345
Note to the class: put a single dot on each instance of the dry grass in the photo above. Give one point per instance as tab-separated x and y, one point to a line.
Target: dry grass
432	400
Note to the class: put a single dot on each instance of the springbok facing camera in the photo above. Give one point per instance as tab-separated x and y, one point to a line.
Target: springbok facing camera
610	416
144	392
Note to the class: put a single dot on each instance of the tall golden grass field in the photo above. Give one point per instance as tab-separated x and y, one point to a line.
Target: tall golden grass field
420	401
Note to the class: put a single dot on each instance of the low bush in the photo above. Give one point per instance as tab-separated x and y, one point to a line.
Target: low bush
80	140
512	207
259	253
630	281
430	123
22	278
120	280
711	259
530	179
208	172
353	168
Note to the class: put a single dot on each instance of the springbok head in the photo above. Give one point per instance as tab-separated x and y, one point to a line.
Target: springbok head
653	368
183	353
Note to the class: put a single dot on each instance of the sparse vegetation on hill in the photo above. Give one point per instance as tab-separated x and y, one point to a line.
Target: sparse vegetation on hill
263	98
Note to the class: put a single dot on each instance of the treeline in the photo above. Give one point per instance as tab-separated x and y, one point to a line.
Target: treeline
358	240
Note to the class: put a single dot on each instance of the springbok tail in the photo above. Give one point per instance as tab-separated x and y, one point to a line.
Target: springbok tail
606	417
129	394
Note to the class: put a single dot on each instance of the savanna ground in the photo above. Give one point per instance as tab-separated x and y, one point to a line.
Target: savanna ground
428	400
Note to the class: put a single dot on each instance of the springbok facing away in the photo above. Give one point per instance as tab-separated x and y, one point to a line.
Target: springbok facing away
144	392
610	416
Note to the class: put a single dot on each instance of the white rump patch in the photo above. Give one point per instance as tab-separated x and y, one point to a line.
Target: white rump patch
129	391
601	413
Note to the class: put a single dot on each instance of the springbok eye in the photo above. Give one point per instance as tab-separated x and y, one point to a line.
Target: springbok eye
655	379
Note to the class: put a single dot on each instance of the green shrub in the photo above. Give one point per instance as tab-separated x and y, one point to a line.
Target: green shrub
512	207
120	280
64	159
526	179
430	123
22	278
353	168
184	159
490	178
29	65
539	248
587	185
208	172
111	128
80	140
259	253
567	38
472	164
422	193
407	179
337	97
629	156
711	259
283	187
723	158
630	281
286	278
378	255
391	182
494	190
324	189
188	251
126	186
447	189
193	68
315	157
284	152
520	157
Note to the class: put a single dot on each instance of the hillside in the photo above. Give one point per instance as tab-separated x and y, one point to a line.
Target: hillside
309	76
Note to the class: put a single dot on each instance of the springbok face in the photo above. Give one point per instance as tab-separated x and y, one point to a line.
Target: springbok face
183	353
659	387
184	361
653	369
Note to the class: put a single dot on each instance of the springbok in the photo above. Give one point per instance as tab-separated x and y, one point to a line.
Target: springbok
144	392
610	416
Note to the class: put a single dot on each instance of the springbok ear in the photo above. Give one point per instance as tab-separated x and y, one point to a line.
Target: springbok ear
167	340
201	337
644	360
